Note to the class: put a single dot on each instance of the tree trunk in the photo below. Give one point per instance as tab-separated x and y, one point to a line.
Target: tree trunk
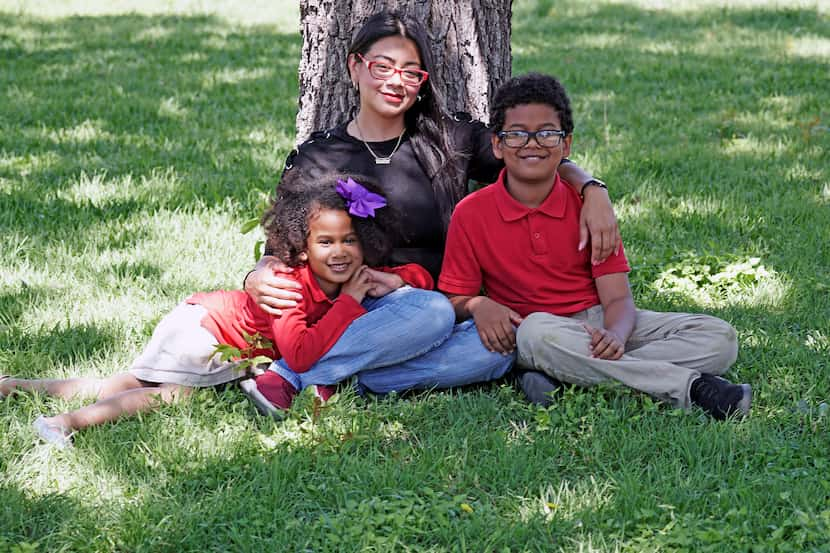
470	42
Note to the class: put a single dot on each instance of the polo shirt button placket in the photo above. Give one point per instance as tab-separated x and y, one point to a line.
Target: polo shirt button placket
538	240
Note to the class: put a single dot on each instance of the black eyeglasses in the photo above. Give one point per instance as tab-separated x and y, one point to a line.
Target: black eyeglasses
546	138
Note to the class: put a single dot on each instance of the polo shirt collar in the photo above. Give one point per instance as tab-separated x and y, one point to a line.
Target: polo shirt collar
310	282
511	209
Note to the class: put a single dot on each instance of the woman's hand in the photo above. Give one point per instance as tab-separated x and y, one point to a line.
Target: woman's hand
383	283
271	292
359	284
495	323
598	222
604	343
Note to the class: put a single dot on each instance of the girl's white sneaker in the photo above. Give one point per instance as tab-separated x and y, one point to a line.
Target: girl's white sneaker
52	434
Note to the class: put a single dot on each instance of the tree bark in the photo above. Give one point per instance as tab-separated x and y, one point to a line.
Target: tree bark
470	41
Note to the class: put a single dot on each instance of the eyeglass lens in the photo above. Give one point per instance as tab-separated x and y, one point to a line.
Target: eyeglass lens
385	71
546	138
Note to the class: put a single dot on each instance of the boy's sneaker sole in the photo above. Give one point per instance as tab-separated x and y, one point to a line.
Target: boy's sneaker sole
265	407
745	404
720	398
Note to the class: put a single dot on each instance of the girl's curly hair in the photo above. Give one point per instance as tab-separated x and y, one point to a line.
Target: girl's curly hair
299	198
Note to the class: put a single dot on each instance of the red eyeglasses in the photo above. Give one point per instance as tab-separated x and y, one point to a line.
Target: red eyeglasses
383	71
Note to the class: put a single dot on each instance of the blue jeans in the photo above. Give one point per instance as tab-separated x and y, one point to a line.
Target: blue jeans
408	339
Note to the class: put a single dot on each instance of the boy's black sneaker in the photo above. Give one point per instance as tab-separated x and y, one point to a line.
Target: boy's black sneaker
719	397
537	387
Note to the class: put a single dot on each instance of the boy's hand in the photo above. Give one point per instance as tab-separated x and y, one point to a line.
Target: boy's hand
383	283
360	283
604	343
495	323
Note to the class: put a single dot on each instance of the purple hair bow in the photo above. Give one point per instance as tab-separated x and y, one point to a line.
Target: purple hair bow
359	201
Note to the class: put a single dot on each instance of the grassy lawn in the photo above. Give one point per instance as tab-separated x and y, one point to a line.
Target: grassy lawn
133	144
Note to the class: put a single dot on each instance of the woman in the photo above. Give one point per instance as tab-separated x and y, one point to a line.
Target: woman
423	159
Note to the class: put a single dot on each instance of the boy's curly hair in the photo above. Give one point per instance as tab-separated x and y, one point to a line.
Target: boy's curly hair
533	88
299	198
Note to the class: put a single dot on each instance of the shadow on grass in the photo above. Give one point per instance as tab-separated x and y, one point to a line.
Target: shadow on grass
604	464
126	95
61	343
600	464
349	482
26	520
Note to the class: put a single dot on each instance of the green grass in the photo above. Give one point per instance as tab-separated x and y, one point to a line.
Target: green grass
134	143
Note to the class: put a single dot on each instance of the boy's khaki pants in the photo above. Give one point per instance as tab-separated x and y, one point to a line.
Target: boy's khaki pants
663	355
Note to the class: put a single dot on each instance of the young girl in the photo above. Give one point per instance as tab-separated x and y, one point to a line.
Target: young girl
328	231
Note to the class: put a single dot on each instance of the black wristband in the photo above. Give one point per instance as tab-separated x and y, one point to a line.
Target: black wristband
564	161
591	182
244	280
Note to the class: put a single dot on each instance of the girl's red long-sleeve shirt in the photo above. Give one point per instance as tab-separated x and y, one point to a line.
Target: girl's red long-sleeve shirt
302	334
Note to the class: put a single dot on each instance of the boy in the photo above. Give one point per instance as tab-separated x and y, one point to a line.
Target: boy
577	323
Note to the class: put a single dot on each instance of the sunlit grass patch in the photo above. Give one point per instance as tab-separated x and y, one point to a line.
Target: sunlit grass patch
786	105
155	32
100	190
604	40
661	47
284	14
810	47
43	471
710	281
818	340
30	37
232	76
170	107
25	164
16	93
758	146
733	39
771	122
84	132
568	500
701	5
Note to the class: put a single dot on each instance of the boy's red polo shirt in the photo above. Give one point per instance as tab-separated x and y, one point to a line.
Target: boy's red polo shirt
525	258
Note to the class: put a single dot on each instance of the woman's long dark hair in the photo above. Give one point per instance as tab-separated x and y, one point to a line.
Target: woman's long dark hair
426	120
